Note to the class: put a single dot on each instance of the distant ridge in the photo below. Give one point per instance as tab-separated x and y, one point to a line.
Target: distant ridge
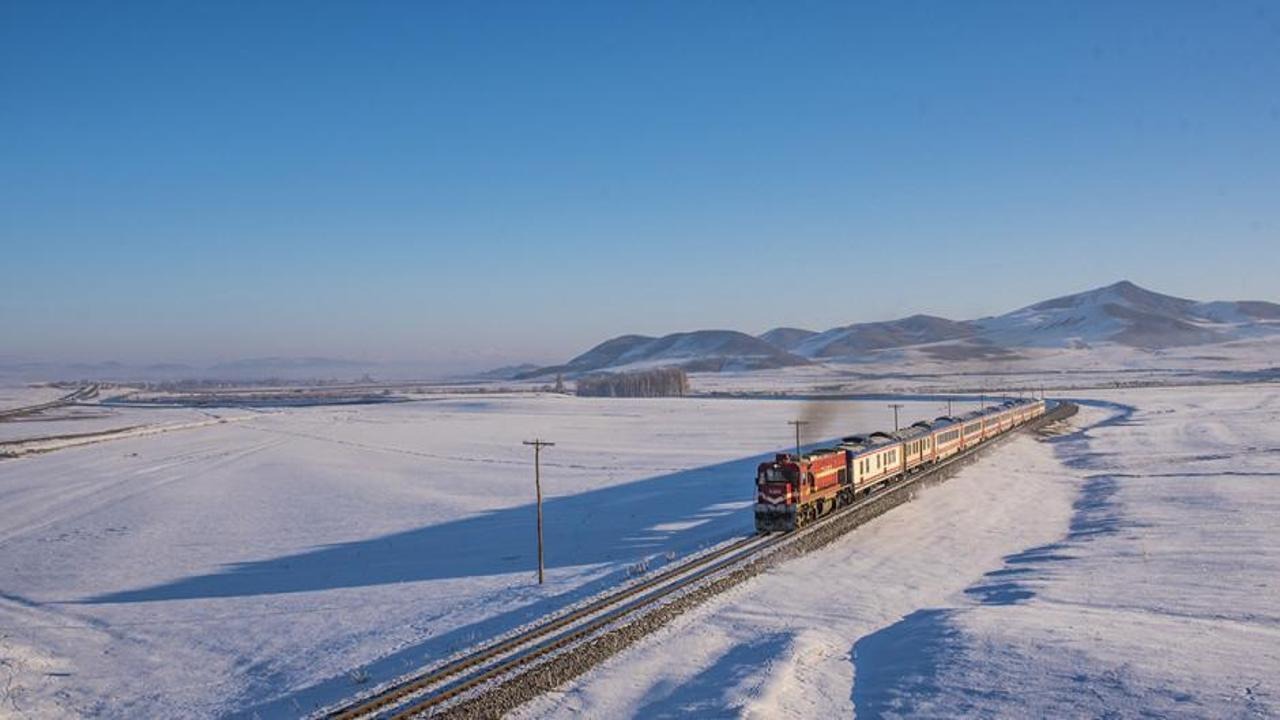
1122	314
700	351
1126	314
786	338
860	337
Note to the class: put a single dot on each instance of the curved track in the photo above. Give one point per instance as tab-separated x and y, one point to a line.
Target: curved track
433	690
83	393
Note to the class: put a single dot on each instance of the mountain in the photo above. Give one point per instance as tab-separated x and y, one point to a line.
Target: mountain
858	339
1126	314
1120	314
700	351
786	338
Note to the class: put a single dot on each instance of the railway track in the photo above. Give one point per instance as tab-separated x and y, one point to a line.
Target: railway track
83	393
436	689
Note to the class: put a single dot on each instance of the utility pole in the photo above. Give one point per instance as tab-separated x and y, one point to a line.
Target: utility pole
949	407
797	423
982	400
538	444
896	407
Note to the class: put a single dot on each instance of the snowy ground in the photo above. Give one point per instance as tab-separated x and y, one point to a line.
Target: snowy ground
17	396
246	567
1128	569
1097	368
80	420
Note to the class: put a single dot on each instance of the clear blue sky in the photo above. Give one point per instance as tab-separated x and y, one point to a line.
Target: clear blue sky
476	182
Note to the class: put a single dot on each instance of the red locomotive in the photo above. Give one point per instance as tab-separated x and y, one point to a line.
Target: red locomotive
793	491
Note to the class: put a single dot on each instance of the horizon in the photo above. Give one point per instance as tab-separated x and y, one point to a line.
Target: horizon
446	187
399	368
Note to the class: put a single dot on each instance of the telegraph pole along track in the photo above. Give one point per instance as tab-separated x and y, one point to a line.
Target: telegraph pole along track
497	677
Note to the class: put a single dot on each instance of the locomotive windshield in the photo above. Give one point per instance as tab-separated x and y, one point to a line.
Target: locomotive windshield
776	473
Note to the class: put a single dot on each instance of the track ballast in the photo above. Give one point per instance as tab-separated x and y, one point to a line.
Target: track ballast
502	674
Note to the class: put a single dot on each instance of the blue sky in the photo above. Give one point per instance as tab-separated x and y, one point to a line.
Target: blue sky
454	183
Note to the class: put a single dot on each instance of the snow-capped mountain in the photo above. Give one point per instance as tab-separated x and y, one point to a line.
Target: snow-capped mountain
1126	314
1121	314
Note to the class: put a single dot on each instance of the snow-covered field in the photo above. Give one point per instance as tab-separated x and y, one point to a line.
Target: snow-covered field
1127	569
82	420
16	396
1063	370
245	568
248	566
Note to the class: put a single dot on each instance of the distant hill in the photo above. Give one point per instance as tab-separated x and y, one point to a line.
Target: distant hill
1121	314
857	339
506	372
1126	314
700	351
786	338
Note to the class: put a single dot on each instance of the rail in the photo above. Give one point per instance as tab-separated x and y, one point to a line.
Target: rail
431	690
82	393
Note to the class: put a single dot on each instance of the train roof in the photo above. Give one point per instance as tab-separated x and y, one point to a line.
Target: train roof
914	431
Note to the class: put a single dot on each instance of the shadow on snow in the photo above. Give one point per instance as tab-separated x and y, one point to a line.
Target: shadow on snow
714	692
1094	512
617	524
897	669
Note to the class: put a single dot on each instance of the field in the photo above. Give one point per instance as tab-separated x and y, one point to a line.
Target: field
267	564
250	565
1127	568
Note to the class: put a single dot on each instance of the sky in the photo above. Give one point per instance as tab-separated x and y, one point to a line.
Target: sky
476	183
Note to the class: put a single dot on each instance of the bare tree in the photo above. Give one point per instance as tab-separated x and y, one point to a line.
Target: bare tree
661	382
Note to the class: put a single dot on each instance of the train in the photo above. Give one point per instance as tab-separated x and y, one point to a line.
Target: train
794	490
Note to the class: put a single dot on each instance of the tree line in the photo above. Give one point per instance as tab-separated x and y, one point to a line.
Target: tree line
662	382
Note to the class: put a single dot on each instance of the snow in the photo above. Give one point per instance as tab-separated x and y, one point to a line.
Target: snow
247	567
83	420
1126	569
25	395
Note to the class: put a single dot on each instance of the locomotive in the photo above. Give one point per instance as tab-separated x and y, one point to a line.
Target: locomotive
793	491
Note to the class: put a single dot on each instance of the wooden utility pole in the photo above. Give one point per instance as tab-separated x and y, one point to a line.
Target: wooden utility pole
896	407
948	407
538	444
797	423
